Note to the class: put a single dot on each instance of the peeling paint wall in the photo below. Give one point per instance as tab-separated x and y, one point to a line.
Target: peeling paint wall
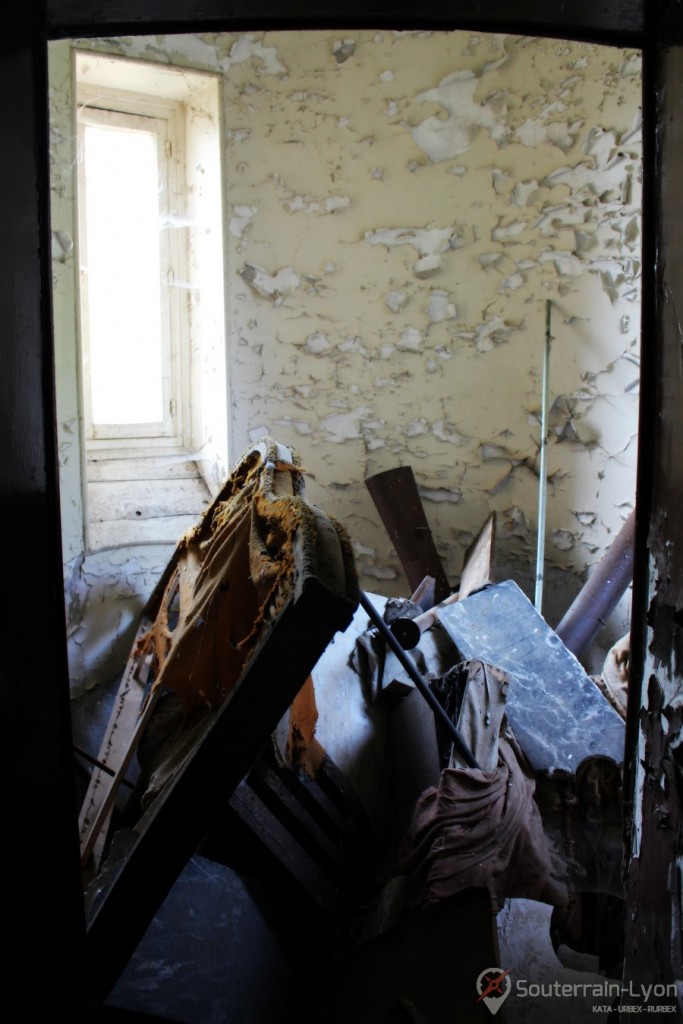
400	206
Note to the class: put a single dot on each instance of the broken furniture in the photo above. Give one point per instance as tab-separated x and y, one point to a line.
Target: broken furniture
249	601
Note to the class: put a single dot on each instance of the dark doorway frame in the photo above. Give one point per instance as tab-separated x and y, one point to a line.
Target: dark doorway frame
46	973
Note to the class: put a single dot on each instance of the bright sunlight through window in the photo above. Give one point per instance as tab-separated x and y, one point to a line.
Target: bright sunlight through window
123	274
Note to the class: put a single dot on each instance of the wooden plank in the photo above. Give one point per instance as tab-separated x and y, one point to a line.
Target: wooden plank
424	595
172	467
123	533
113	753
477	568
144	499
279	840
262	780
398	502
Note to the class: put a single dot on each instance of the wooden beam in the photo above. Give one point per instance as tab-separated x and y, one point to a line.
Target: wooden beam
398	502
477	569
610	21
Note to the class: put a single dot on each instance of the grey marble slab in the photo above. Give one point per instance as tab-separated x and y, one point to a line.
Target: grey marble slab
556	711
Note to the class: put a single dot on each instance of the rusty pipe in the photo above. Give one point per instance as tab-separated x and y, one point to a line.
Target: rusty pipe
598	598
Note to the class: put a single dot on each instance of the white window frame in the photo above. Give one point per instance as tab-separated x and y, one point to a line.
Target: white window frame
173	434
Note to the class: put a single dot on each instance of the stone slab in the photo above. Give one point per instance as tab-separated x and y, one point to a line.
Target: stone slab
556	711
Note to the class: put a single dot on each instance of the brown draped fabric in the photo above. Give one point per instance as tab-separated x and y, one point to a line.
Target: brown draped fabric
480	829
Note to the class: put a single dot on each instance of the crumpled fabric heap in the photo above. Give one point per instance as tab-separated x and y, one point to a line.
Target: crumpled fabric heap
480	829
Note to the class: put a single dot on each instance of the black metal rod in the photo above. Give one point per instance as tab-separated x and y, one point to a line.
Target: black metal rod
411	669
98	764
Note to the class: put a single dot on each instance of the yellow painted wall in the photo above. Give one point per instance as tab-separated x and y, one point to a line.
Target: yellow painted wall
400	207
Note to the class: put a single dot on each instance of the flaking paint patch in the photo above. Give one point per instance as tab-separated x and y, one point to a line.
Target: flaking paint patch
446	138
241	219
402	335
430	243
271	286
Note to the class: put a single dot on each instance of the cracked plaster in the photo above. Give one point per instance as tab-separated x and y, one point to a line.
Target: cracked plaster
400	206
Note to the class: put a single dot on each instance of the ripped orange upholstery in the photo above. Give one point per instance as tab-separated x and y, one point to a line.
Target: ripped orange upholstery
232	575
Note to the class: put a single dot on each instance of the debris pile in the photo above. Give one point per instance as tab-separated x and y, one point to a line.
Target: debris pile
241	712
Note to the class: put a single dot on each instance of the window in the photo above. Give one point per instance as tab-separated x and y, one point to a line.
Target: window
133	325
151	296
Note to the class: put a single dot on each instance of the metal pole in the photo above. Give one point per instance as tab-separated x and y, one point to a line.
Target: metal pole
410	667
542	464
601	594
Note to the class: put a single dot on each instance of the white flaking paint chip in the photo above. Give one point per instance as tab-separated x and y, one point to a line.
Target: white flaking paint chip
495	332
440	494
609	180
429	243
345	426
334	203
343	49
631	65
395	301
490	259
416	428
447	432
523	191
318	344
500	180
241	219
493	451
566	263
536	132
297	203
500	233
512	283
302	427
440	308
276	287
247	47
378	572
410	340
426	266
515	522
446	138
237	135
362	549
563	540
